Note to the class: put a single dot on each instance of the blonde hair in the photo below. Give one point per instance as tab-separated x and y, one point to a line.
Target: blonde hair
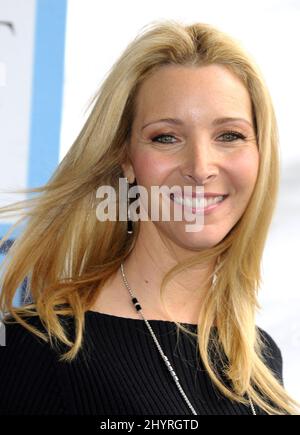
66	254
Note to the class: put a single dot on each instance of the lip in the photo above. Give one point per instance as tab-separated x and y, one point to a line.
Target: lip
206	210
206	195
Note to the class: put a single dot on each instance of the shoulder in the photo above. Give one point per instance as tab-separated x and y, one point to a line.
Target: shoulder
28	370
23	351
15	330
21	342
18	339
271	353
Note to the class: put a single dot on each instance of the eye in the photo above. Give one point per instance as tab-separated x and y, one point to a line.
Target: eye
155	139
233	134
230	136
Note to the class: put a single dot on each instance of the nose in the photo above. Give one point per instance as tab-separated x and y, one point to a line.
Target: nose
201	164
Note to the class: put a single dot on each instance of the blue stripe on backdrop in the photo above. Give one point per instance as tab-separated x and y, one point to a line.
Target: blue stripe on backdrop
47	93
47	90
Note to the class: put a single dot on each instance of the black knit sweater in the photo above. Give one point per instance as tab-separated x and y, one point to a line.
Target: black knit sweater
118	371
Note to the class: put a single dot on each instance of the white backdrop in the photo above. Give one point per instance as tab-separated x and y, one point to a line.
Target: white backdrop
16	54
96	34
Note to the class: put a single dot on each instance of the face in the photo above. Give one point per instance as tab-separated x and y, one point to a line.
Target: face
201	148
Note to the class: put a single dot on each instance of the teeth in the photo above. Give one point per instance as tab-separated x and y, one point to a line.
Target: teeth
197	202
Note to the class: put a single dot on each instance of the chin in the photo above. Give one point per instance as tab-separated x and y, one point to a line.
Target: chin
194	242
208	237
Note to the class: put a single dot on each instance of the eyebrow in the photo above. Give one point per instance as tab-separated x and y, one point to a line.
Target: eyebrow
217	121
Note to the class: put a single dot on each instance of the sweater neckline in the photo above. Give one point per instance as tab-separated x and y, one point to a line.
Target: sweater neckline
130	319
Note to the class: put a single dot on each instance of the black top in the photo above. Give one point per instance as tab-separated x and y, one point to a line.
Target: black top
118	371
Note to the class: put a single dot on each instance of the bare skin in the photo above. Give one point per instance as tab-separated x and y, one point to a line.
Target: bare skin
197	152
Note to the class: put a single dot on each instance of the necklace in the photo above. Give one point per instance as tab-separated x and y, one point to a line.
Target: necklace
164	357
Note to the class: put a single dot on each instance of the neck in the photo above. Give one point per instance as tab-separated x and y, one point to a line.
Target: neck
145	267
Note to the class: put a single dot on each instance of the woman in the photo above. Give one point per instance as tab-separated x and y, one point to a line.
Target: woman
184	106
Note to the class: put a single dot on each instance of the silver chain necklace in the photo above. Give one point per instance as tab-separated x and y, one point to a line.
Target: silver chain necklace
164	357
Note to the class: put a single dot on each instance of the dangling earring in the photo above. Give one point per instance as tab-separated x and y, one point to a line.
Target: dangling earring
129	221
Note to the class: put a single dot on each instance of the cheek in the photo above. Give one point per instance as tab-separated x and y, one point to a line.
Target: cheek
243	169
150	169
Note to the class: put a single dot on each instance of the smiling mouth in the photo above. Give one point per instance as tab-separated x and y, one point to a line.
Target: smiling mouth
198	203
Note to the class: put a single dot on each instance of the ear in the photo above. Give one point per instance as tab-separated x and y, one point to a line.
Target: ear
128	171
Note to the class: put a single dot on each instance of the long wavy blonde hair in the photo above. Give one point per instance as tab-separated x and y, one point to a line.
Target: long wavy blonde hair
67	255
